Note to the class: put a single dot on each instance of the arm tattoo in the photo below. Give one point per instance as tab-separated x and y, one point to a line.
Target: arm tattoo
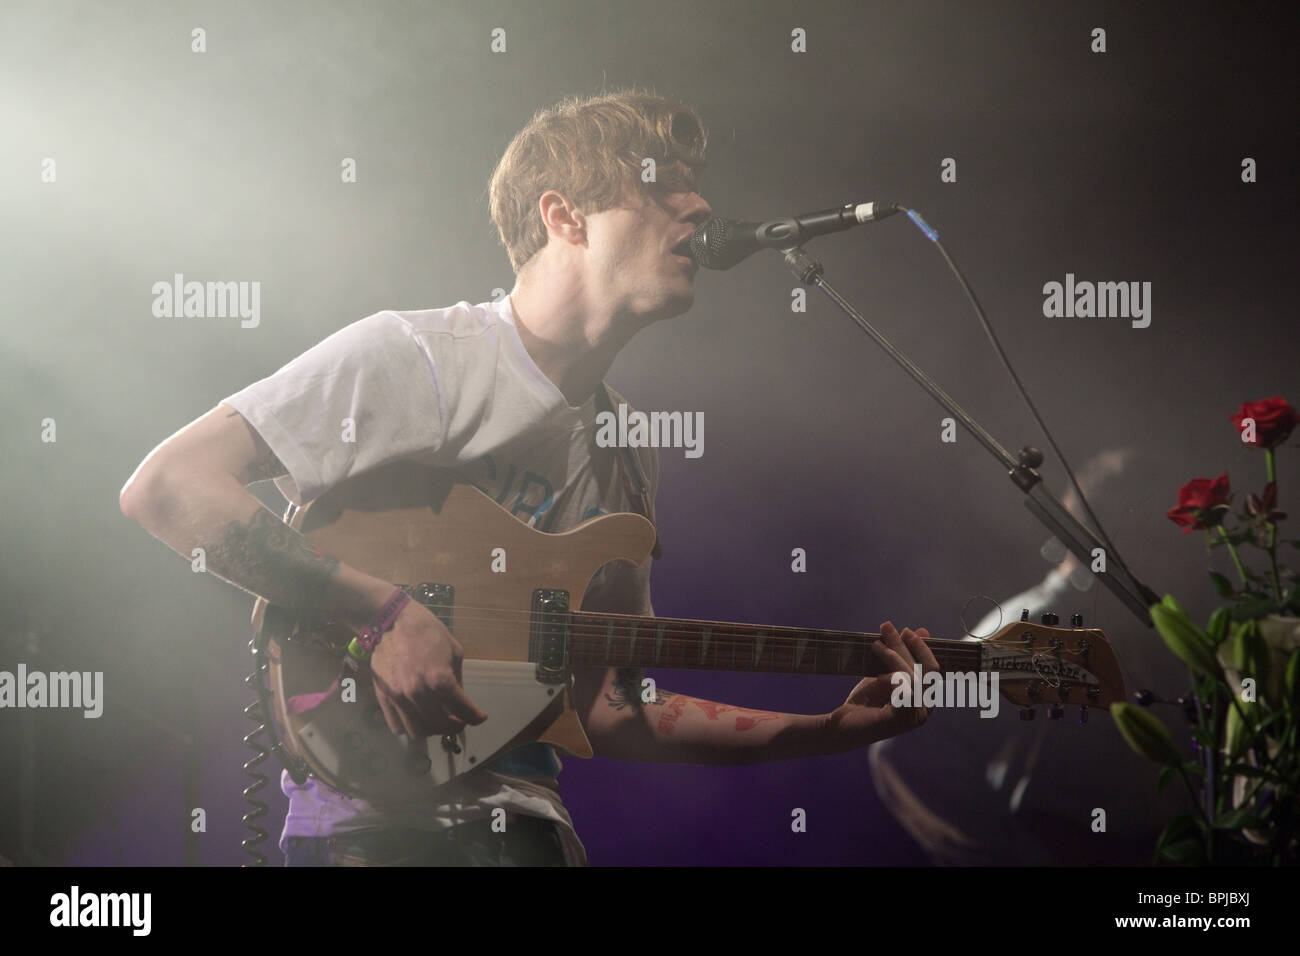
627	690
745	719
268	558
263	465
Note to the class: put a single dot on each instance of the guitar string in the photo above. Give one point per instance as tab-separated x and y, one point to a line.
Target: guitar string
722	630
588	635
625	625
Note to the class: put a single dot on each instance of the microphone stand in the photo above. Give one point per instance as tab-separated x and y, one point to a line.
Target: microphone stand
1021	469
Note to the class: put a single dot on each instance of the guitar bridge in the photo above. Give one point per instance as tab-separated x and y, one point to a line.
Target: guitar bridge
548	634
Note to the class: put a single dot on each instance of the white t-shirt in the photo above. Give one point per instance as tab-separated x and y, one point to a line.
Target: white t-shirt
451	388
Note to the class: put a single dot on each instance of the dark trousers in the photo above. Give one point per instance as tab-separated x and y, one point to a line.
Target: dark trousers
527	841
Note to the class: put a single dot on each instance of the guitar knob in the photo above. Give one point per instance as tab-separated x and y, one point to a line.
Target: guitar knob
1055	711
1083	713
1027	713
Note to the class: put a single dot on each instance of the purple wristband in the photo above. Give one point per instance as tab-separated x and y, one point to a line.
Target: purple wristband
384	620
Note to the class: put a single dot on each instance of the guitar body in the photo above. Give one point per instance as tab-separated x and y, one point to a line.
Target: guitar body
408	525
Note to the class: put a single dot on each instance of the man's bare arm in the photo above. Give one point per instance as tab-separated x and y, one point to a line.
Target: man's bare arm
189	493
675	728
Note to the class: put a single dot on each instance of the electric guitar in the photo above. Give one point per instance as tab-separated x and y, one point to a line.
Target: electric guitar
523	629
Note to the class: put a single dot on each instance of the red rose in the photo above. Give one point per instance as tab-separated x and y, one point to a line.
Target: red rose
1202	503
1274	419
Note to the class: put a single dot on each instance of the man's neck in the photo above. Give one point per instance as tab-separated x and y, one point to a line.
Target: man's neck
573	342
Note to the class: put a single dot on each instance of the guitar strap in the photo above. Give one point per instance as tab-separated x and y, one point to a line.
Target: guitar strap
634	483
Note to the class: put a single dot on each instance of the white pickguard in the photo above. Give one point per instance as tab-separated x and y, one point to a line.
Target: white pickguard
365	756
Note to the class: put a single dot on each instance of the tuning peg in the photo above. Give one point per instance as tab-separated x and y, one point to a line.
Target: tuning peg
1083	713
1049	618
1145	698
1027	713
1076	620
1055	711
1024	615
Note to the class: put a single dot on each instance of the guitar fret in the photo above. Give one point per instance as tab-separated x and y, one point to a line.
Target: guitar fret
609	640
659	641
631	641
704	644
845	654
759	641
800	646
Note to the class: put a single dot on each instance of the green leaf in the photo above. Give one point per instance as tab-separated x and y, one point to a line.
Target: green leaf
1237	734
1293	679
1221	584
1172	604
1236	819
1188	643
1182	840
1253	607
1218	626
1203	737
1165	776
1146	734
1250	655
1245	770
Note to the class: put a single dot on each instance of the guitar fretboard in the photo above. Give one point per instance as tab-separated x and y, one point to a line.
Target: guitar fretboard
621	640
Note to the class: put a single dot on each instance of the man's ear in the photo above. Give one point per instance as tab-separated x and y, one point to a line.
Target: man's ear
561	217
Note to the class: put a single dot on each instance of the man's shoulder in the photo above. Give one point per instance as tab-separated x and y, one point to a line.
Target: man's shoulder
462	320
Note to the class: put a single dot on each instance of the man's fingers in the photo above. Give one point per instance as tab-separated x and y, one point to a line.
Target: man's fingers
458	705
921	650
891	659
390	712
896	642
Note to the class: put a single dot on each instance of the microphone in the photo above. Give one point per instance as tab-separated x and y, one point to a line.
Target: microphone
722	243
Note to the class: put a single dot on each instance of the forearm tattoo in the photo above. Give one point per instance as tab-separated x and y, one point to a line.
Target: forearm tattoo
627	690
267	557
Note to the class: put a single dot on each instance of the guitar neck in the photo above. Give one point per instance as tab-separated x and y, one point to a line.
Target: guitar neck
622	640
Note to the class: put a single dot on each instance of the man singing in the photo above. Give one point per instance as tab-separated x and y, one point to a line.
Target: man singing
504	394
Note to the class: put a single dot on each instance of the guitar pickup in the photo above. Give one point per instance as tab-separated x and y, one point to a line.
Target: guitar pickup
548	634
438	598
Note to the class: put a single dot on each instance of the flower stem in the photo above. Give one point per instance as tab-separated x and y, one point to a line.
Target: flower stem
1270	465
1241	572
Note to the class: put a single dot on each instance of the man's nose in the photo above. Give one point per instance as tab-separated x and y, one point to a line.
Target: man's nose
699	211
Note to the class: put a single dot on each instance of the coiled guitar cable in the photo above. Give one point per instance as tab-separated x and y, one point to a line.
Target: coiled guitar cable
259	711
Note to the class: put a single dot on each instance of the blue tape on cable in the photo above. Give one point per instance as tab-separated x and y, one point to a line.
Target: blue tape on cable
923	225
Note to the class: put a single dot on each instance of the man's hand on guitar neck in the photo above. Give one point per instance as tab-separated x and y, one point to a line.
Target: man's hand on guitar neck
868	715
675	728
417	672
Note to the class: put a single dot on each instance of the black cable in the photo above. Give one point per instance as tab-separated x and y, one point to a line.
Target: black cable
1001	354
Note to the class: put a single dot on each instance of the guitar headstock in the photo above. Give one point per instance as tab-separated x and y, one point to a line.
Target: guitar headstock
1052	665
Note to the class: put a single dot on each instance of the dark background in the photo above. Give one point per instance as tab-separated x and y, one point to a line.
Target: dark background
1122	166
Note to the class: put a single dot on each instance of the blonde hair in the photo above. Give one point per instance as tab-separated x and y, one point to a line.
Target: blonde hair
590	149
